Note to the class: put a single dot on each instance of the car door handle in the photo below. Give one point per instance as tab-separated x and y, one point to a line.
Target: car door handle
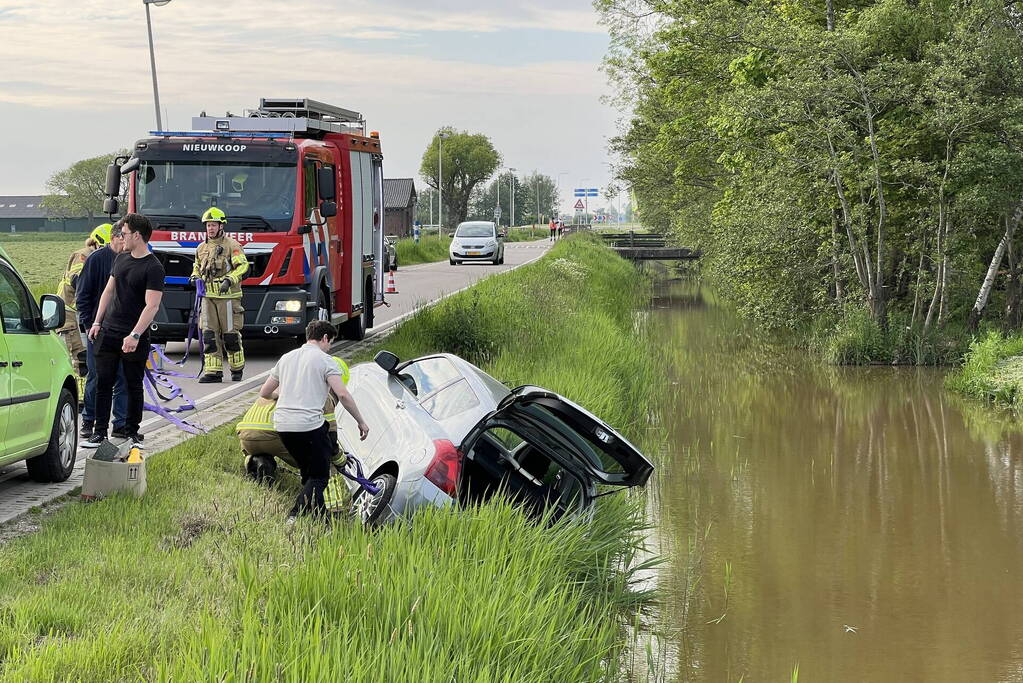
3	364
17	363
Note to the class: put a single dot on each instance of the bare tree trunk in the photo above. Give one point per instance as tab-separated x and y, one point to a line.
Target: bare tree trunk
919	277
839	294
862	271
831	15
879	302
1012	290
996	261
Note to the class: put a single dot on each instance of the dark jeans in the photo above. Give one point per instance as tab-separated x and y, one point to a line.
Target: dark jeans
312	451
120	394
110	358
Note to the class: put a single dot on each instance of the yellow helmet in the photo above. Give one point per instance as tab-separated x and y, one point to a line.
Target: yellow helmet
214	214
101	234
343	367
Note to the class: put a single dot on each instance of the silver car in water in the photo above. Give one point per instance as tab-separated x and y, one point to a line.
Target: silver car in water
444	432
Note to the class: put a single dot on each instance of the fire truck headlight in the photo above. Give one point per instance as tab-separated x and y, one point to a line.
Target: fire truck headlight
290	305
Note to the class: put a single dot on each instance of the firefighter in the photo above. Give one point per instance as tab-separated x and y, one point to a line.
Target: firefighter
261	445
220	263
71	334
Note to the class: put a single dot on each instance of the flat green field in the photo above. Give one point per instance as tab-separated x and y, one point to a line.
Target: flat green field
41	257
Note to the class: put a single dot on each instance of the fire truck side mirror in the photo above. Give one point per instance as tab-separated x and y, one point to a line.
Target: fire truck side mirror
111	206
305	229
325	183
328	209
112	186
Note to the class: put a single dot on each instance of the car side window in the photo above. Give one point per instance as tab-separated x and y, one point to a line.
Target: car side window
16	309
426	376
451	400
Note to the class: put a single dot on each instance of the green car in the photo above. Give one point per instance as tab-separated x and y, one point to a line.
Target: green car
38	392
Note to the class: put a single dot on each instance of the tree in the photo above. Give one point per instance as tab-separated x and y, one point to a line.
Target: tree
864	153
469	159
78	189
527	187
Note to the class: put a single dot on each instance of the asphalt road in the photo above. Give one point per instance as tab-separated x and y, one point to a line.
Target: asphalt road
417	285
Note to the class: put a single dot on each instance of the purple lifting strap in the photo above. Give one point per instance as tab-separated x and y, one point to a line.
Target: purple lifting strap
358	477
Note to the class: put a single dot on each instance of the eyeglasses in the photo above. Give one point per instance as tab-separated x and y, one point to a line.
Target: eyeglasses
126	234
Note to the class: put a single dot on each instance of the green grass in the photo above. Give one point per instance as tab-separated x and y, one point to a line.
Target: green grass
855	338
202	581
41	257
992	370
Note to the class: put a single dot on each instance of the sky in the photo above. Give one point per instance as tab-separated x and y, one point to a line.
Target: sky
75	78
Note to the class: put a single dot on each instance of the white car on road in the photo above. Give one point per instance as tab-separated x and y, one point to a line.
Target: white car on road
477	241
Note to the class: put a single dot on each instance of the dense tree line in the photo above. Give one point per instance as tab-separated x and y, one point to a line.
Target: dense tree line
831	156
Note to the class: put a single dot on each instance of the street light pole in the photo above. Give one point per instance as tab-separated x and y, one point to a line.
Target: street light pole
152	58
440	182
511	215
560	173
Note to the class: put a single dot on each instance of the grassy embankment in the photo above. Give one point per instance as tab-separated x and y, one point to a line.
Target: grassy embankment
992	370
202	580
41	256
433	248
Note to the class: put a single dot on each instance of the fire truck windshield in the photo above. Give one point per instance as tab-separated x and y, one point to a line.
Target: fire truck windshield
260	193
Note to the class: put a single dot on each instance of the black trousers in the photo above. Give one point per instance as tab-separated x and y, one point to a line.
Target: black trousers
109	358
312	451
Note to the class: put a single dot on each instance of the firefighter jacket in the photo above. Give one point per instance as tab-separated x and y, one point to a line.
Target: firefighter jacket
256	429
216	259
69	283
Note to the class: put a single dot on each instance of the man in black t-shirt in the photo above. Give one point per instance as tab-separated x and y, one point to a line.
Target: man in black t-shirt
120	330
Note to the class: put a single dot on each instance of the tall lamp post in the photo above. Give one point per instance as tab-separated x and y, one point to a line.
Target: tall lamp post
152	58
442	135
511	214
560	173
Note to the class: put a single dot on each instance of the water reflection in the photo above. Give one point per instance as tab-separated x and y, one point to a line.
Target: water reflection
860	523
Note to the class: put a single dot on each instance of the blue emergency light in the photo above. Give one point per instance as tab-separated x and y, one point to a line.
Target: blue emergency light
216	134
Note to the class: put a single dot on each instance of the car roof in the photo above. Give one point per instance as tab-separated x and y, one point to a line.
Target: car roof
486	223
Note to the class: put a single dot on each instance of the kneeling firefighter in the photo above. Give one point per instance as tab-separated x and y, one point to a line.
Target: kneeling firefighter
66	289
261	445
221	264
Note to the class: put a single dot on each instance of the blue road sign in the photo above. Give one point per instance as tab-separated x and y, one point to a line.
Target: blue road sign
591	192
585	192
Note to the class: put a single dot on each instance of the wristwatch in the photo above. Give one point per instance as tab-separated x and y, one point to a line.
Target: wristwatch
135	336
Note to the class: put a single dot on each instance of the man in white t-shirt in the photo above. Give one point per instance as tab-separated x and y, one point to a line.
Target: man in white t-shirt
300	382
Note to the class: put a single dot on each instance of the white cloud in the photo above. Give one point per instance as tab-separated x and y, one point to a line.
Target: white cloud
90	60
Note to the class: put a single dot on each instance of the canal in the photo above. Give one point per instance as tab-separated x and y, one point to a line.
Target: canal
848	524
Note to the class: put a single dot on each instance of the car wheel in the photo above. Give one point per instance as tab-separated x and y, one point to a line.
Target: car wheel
452	262
375	510
56	463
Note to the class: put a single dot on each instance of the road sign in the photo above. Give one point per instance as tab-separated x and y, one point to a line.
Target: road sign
497	212
585	192
579	205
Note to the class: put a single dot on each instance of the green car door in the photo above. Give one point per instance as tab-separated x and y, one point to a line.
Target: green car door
28	367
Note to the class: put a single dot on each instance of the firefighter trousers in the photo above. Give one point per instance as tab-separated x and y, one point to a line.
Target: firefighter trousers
221	321
72	337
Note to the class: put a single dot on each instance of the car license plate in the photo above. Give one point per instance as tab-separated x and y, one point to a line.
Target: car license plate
472	253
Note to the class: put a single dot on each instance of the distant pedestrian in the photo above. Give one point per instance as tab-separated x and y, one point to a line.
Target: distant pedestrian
554	229
561	228
300	382
91	282
120	329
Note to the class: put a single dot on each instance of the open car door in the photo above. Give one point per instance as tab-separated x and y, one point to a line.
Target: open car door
569	433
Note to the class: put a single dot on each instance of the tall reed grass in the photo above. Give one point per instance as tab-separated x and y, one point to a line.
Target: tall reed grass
201	580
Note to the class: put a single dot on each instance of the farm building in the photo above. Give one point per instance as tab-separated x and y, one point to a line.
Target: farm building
25	213
399	206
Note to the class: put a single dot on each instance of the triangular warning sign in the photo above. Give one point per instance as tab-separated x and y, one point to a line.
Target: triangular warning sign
579	206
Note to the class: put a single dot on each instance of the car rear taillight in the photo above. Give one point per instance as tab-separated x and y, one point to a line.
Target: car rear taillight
445	467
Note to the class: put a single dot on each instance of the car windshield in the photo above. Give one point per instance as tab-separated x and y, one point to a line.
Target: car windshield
479	230
183	189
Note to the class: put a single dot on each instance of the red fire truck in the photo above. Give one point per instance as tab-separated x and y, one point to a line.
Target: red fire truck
301	183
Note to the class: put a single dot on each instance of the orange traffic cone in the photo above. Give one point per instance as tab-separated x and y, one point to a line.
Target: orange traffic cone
391	287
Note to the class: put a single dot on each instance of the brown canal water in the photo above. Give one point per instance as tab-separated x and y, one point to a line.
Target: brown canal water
861	524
